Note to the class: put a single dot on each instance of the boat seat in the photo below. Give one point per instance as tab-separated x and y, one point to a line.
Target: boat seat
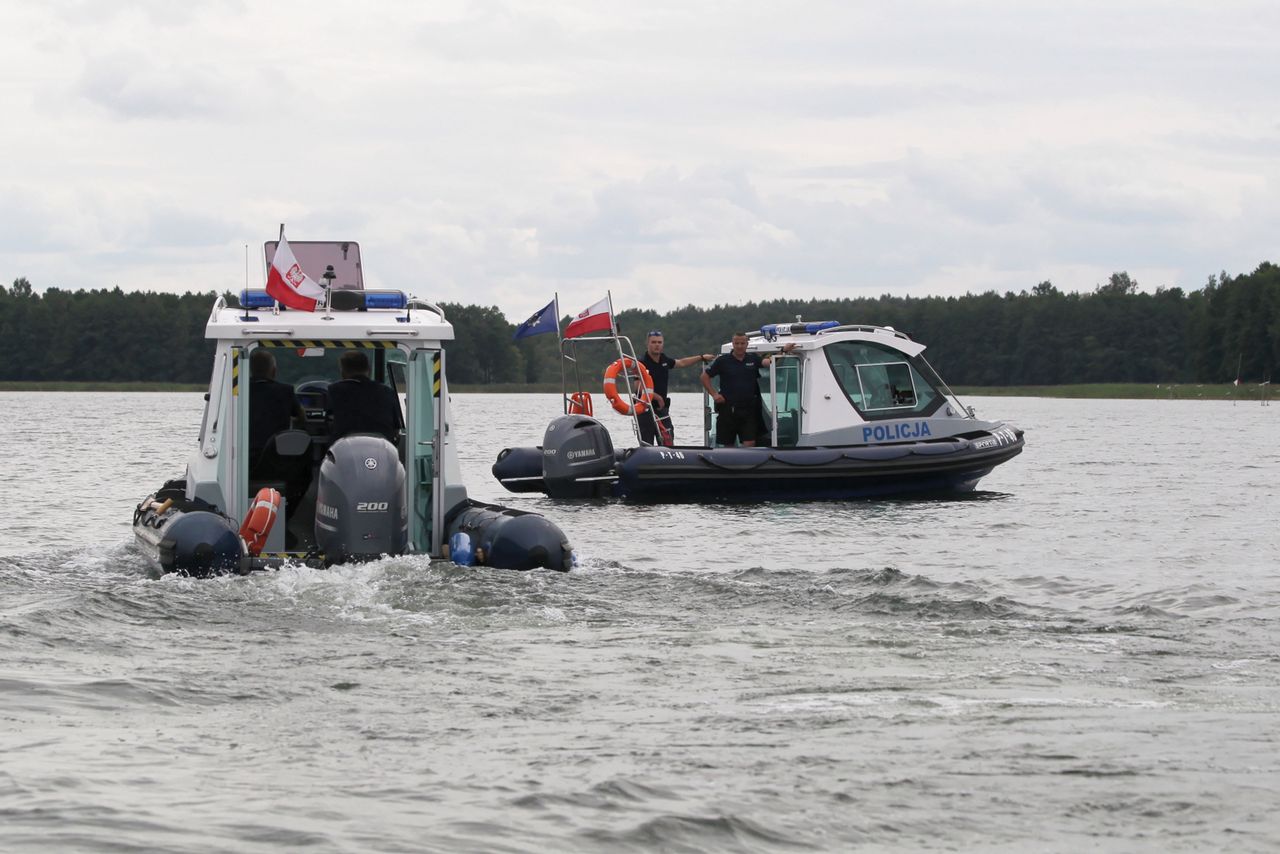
285	465
290	443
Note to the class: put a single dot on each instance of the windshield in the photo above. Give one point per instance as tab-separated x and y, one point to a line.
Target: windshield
882	382
300	365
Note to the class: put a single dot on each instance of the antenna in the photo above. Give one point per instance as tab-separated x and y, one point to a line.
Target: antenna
245	295
1236	391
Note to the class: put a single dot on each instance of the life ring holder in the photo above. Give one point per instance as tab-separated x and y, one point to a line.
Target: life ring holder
580	403
258	522
621	403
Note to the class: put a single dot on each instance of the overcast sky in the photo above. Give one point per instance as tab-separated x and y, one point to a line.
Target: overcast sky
674	152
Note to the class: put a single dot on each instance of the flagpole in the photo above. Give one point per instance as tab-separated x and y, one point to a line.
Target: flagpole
275	306
564	389
246	281
626	371
617	342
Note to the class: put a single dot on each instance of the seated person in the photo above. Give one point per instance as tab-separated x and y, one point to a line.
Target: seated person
272	405
358	404
273	408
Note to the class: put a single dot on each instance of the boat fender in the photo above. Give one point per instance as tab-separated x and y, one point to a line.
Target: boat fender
460	549
200	544
259	520
621	403
509	539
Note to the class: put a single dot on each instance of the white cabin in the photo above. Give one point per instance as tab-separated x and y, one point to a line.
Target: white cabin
405	341
850	385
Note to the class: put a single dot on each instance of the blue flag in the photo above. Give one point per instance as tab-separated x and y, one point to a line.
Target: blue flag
544	320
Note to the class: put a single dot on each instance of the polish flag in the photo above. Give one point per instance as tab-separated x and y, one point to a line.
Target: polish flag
594	319
287	284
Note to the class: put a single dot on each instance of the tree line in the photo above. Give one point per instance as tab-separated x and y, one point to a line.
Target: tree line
1040	336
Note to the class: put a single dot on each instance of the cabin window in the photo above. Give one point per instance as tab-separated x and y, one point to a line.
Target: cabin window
397	364
881	382
300	366
310	370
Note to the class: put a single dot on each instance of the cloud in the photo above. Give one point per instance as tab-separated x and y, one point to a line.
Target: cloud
131	85
497	152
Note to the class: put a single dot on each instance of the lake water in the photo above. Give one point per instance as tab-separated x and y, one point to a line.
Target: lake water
1081	655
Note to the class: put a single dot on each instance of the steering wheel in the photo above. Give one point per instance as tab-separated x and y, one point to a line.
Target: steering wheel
318	390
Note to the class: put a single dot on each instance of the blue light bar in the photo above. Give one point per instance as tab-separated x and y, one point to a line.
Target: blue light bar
256	299
773	330
385	299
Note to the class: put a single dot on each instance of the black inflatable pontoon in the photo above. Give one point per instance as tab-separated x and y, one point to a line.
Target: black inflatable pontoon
849	412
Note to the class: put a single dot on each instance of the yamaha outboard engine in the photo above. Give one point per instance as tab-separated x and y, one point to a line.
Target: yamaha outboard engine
360	506
577	458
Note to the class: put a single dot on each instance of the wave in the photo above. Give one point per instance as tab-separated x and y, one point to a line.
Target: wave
695	833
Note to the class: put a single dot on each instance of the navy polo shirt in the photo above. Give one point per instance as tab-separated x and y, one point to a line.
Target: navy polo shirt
660	371
739	381
271	408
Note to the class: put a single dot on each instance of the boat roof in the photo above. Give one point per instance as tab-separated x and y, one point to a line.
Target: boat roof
813	335
413	322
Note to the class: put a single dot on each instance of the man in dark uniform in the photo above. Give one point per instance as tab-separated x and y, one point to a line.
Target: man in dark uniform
659	365
357	404
273	408
738	400
272	405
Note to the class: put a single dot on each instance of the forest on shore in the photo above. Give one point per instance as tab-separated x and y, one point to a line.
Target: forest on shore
1039	337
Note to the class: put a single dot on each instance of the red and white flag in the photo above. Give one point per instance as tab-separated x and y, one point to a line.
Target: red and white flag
598	318
287	284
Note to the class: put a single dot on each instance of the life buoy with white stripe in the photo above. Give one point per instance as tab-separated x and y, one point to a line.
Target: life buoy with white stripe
621	402
258	521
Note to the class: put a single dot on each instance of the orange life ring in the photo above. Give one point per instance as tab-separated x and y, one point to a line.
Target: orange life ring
621	402
258	521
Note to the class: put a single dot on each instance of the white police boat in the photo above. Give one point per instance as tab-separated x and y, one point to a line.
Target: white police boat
325	500
849	412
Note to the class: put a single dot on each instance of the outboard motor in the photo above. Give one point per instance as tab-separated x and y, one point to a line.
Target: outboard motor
360	504
577	458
